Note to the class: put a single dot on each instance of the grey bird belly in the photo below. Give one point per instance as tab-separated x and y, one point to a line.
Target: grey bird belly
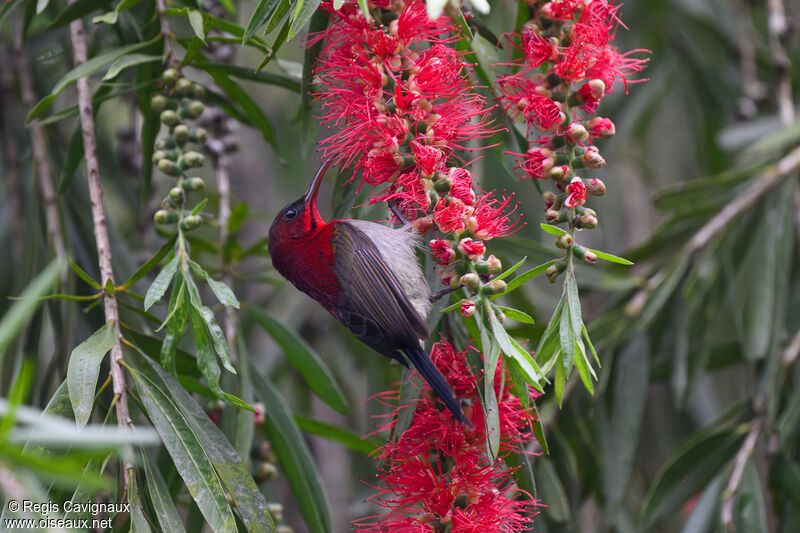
398	248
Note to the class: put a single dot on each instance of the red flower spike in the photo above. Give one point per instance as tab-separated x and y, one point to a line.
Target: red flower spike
490	219
442	251
471	248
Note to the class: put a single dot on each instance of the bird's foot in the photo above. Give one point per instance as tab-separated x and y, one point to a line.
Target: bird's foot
394	207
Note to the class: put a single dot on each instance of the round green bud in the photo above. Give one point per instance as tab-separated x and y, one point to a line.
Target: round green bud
170	75
470	280
163	216
191	159
198	135
165	143
168	167
588	222
442	186
191	222
198	91
553	271
564	242
183	86
276	510
169	118
177	195
481	266
158	103
498	286
554	217
197	184
196	108
158	155
181	133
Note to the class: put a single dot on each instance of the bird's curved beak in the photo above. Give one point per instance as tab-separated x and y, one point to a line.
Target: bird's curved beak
310	197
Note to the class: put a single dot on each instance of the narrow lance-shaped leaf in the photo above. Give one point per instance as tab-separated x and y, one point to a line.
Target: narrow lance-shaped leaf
161	283
223	293
217	336
83	369
168	519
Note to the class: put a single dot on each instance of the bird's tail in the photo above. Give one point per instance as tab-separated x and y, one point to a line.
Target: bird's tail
422	362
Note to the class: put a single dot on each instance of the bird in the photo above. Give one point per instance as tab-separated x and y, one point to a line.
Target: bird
367	276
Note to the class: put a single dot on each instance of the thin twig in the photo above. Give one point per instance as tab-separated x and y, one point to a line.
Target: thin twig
770	179
169	53
740	462
100	228
39	142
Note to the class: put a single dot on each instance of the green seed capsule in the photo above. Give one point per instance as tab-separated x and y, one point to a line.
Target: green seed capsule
169	118
197	184
181	133
168	167
158	156
564	242
198	135
158	103
163	216
170	75
191	160
196	108
442	186
177	195
165	143
183	86
191	222
198	91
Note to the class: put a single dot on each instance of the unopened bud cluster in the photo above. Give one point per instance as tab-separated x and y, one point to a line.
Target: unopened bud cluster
178	104
566	66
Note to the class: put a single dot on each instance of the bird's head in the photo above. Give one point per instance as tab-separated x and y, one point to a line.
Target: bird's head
299	218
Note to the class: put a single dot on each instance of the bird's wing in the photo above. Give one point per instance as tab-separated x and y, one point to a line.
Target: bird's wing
374	305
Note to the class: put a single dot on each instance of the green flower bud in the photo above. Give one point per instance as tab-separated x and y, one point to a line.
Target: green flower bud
587	222
501	316
191	159
584	255
564	242
196	108
170	75
555	270
276	510
498	286
495	266
198	135
265	472
163	216
158	155
442	186
158	103
590	211
191	222
554	217
169	118
168	167
198	91
197	184
177	195
181	133
183	86
470	280
481	266
597	187
165	143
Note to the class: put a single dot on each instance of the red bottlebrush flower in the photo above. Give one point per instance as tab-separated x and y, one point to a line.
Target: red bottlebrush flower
461	185
442	251
437	73
429	159
380	167
467	308
590	94
561	9
408	190
519	97
449	216
490	219
536	48
535	163
437	472
471	248
601	127
577	193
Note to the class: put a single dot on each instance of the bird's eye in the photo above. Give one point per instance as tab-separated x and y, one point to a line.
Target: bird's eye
290	213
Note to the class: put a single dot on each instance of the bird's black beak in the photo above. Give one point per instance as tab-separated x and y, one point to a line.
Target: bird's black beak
310	197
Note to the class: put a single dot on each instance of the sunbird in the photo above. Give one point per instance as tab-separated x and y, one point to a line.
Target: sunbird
366	275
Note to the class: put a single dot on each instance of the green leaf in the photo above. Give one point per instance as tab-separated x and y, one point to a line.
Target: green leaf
517	282
217	336
150	263
161	283
351	440
249	503
188	453
20	312
83	275
275	19
196	209
247	73
127	61
248	105
610	257
206	358
75	10
516	314
112	16
303	10
511	270
305	360
706	512
293	456
168	519
318	24
552	491
138	521
197	24
264	10
457	16
83	369
531	371
552	230
223	293
82	70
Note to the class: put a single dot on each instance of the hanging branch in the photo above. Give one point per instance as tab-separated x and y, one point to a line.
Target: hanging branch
99	220
39	142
